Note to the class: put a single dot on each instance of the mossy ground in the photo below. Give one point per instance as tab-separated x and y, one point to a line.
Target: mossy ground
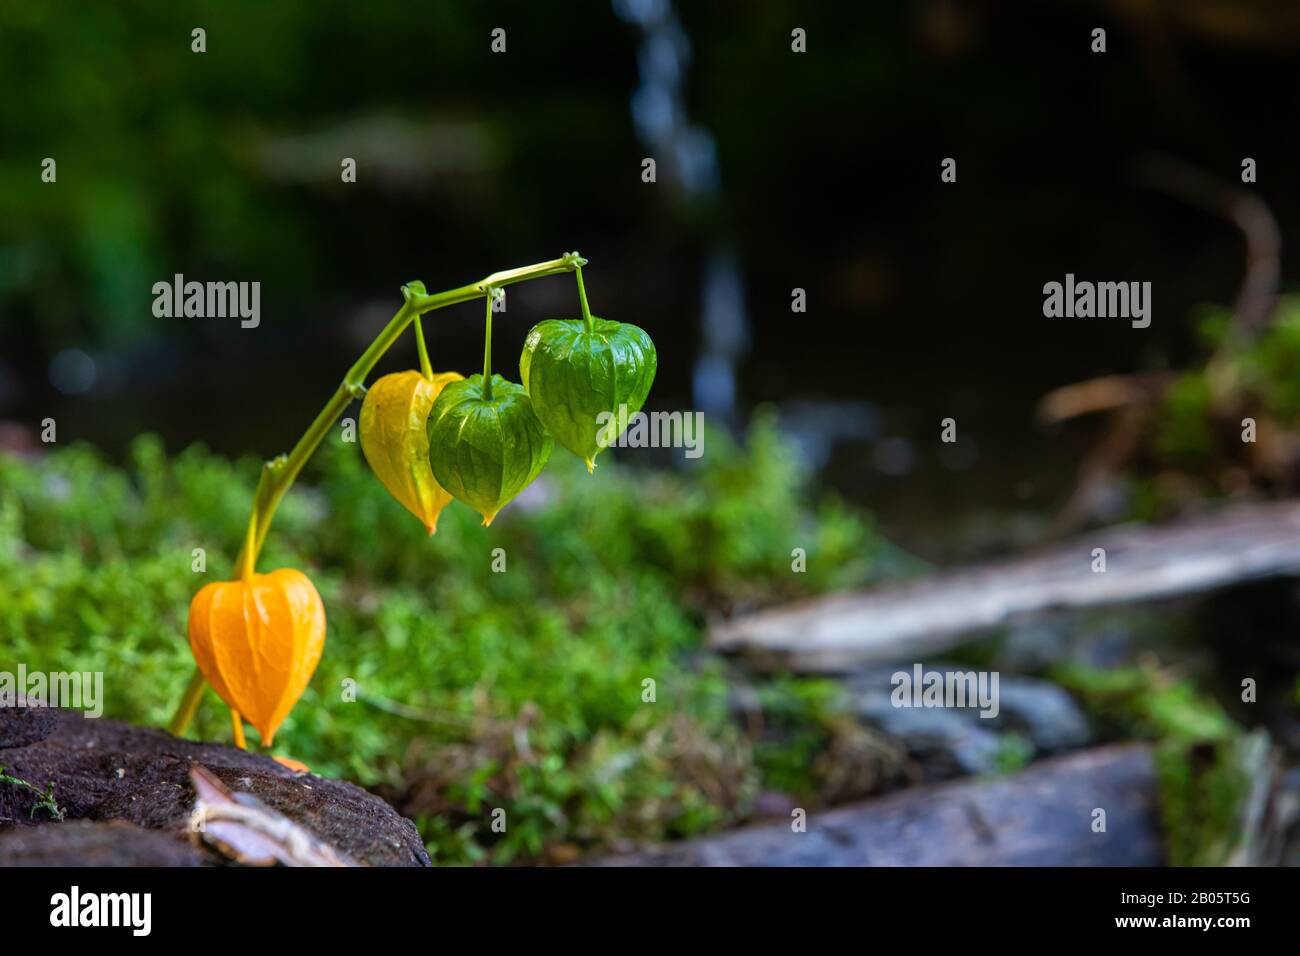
474	690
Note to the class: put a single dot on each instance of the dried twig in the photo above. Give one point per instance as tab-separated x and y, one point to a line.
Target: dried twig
247	831
1257	296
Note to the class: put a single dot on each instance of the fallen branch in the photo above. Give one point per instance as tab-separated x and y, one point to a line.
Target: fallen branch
1043	816
925	617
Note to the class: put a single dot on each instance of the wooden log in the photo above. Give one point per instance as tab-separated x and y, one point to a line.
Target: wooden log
931	615
103	769
1042	816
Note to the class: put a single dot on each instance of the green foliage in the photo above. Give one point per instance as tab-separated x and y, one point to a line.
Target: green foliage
1198	752
1202	789
1270	365
1014	752
44	798
799	718
475	690
1186	432
1263	372
1137	702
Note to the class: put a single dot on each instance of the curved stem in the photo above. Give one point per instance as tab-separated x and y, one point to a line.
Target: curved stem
247	564
582	296
279	474
189	704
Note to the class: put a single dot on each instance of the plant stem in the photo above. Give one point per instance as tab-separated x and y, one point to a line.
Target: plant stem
425	368
487	352
582	296
189	703
247	563
279	474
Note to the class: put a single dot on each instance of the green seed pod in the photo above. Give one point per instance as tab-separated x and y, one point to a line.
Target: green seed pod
585	378
485	449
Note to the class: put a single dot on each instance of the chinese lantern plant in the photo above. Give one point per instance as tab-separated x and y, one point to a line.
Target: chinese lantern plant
577	369
429	437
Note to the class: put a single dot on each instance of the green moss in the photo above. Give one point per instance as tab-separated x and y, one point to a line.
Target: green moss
1202	788
1014	752
1263	373
44	798
475	690
799	721
1185	434
1270	365
1198	753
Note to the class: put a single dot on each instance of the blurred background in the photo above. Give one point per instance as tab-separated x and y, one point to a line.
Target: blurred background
775	171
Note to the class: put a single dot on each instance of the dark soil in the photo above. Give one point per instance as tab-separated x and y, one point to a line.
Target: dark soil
105	770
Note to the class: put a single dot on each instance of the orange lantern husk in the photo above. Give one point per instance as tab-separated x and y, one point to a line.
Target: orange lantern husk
257	641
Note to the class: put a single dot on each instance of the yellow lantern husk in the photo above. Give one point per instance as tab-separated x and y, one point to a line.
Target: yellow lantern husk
395	441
